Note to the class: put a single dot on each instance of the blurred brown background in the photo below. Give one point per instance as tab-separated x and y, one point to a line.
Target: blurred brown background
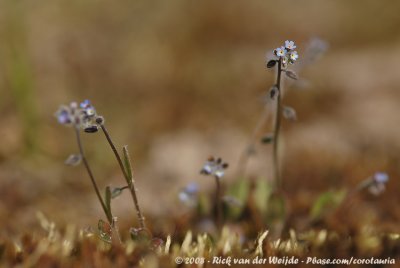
180	80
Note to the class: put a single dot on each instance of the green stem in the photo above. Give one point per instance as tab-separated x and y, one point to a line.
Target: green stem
114	149
277	126
129	180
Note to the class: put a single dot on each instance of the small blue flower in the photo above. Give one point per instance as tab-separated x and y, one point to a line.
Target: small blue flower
294	56
68	115
85	104
63	116
381	177
81	116
207	168
286	53
378	182
87	108
214	167
280	51
290	45
192	188
188	195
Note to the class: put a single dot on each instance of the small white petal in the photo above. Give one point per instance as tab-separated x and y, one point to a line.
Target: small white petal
376	188
207	169
219	173
290	45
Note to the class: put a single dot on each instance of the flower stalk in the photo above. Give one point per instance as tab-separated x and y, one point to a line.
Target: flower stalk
83	116
286	55
216	168
277	126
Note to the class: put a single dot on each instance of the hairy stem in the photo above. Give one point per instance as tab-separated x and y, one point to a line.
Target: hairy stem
128	178
218	202
277	126
114	149
96	188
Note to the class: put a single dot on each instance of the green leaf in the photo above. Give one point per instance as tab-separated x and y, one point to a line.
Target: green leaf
327	202
240	191
127	163
117	191
262	193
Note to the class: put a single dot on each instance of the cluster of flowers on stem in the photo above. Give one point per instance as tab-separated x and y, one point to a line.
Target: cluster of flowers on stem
82	116
214	167
377	183
287	53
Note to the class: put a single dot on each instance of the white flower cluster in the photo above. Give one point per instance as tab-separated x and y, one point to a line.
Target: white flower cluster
287	53
81	116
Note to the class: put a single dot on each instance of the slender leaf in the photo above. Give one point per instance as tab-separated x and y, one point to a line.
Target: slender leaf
127	162
291	74
327	202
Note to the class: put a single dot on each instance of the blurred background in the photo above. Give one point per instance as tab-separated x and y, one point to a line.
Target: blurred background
178	81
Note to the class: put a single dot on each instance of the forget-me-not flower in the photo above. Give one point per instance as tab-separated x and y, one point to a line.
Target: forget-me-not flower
214	167
378	182
290	45
280	51
79	116
294	56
